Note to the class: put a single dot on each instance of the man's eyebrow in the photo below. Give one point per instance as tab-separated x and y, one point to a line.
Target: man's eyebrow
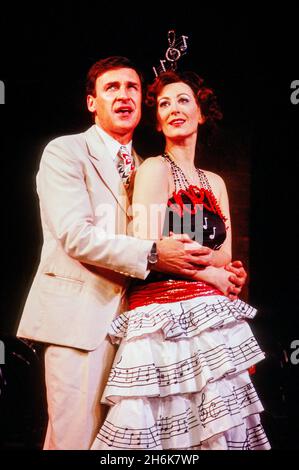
117	83
131	82
114	83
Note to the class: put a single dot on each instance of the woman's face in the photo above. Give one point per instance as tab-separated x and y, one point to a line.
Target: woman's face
178	113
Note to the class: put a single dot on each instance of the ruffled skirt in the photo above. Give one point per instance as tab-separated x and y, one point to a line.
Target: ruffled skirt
180	378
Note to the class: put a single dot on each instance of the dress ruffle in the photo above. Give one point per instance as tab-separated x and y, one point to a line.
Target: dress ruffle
180	379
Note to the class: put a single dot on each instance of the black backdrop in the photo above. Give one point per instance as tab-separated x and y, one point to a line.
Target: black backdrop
248	58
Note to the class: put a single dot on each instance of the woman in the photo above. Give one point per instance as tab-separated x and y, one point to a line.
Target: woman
180	379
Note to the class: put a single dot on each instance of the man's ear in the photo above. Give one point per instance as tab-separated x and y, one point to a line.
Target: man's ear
91	103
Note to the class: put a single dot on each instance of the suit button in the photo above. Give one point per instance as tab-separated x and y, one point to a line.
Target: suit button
117	290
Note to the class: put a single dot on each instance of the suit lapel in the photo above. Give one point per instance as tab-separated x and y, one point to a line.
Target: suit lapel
105	167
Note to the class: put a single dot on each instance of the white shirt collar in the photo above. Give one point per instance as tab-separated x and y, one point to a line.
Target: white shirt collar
112	144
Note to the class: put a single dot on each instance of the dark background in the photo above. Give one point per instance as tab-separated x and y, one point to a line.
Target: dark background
250	60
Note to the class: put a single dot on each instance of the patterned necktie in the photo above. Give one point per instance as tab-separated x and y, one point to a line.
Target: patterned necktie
125	165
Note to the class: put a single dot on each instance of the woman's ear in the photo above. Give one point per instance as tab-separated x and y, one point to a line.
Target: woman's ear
158	127
201	119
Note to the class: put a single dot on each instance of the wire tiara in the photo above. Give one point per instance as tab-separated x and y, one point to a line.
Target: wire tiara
177	48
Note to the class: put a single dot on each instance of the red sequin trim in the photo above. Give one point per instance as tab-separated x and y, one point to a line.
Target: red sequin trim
196	196
169	291
252	370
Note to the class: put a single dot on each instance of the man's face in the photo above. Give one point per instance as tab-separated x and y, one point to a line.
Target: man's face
117	104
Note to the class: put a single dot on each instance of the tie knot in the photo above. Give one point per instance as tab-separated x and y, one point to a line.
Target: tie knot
125	164
123	149
124	154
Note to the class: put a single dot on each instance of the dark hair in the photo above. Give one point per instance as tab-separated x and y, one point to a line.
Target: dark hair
103	65
204	96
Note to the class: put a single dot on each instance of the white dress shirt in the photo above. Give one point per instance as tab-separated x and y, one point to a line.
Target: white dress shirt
112	145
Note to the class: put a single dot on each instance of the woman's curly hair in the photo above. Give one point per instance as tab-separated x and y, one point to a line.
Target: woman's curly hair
205	96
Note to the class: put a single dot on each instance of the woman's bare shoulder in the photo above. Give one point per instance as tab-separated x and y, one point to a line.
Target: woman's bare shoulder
214	178
156	163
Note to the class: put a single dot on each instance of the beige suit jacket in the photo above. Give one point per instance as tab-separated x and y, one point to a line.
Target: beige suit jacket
88	256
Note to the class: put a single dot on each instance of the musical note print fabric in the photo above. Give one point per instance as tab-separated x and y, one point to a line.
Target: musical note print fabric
180	376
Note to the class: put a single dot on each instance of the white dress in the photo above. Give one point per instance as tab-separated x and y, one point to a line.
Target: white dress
180	379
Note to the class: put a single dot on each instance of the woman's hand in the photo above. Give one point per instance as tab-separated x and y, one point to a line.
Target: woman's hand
221	280
237	277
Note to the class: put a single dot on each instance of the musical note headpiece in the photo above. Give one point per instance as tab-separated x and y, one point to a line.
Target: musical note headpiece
177	48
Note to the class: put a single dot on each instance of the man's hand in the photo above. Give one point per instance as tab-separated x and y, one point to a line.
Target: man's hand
238	278
174	258
208	257
206	254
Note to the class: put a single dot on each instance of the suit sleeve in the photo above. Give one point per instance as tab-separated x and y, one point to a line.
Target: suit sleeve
68	213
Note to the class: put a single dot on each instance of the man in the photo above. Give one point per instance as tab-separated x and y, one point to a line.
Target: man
88	257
